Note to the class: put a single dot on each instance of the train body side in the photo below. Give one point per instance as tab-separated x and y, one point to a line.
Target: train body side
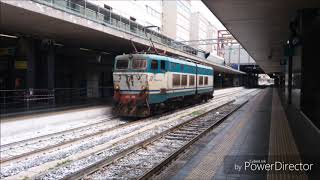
165	81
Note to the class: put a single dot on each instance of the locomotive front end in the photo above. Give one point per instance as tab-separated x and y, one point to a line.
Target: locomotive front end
131	86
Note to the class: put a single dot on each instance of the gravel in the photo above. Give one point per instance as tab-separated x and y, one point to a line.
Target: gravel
26	147
136	164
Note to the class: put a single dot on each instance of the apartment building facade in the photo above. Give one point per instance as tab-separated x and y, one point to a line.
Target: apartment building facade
202	29
174	18
177	19
146	13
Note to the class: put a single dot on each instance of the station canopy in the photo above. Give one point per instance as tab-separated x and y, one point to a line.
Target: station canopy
261	26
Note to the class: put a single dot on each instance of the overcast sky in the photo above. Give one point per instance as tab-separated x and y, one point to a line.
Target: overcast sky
198	5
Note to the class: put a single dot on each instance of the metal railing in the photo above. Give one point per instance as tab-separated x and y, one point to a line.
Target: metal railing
108	18
70	95
12	101
17	100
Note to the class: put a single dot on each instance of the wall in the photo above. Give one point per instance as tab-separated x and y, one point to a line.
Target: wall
310	87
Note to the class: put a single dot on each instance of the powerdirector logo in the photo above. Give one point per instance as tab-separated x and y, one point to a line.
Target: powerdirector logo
272	165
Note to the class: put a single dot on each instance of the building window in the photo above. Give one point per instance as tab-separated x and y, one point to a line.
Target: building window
200	80
206	80
132	18
154	65
184	80
191	80
153	12
176	80
107	7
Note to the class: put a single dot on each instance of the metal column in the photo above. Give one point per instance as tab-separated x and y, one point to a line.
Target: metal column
51	67
289	78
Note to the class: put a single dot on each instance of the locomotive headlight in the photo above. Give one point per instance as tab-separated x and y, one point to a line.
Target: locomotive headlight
116	87
143	88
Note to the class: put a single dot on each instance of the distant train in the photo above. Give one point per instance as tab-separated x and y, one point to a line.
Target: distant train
146	84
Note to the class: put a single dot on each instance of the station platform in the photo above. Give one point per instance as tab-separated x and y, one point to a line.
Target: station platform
45	109
258	133
36	123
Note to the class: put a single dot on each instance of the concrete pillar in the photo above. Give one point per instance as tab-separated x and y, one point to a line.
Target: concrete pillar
310	81
93	84
249	80
235	80
282	81
51	67
289	79
27	48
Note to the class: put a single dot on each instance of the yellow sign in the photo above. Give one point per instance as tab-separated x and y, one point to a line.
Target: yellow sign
21	64
6	51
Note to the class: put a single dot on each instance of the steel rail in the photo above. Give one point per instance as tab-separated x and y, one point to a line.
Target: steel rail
54	134
26	154
176	153
73	129
109	160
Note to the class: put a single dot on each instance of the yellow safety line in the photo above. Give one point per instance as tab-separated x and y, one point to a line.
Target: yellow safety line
281	141
210	163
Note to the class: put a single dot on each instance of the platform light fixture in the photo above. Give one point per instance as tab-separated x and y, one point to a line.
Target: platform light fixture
57	44
85	49
106	53
8	36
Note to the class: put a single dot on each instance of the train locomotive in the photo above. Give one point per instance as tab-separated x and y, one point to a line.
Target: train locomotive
146	84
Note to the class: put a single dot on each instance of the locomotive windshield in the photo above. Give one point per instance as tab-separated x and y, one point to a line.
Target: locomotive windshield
122	64
139	64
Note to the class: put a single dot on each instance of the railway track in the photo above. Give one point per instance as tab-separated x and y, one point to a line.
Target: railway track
31	146
25	141
66	172
144	159
221	96
28	147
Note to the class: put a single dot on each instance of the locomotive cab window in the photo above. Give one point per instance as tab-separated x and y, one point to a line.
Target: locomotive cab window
139	64
154	65
200	80
206	80
122	64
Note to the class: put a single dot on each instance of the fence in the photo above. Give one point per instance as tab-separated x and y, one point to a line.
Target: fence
12	101
17	100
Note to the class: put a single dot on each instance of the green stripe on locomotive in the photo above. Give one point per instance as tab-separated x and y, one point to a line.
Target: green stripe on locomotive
176	65
167	64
